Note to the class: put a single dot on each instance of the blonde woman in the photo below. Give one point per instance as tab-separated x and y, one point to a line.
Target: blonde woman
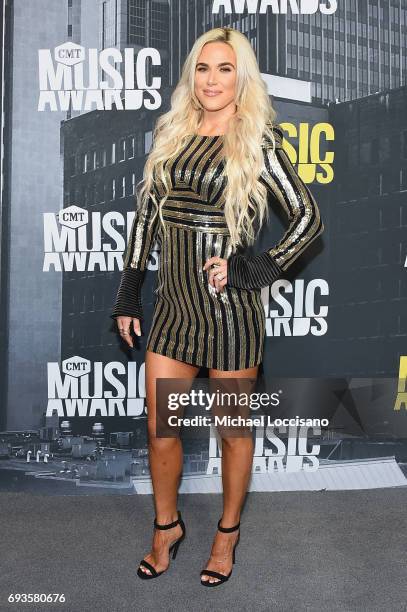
214	167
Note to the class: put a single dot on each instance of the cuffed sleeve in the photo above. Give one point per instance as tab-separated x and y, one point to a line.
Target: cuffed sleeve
305	223
128	300
252	272
142	237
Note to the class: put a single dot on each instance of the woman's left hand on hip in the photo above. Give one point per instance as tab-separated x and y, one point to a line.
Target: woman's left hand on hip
218	273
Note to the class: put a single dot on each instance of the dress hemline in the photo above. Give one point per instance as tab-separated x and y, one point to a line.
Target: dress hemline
172	355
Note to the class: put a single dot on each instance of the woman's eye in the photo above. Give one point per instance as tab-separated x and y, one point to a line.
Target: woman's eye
201	69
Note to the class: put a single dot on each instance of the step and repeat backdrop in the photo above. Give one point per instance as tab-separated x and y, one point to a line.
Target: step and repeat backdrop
84	83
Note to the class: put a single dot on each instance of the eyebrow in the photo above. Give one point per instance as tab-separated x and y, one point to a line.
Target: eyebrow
221	64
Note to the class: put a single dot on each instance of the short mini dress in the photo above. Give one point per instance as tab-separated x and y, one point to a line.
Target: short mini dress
192	322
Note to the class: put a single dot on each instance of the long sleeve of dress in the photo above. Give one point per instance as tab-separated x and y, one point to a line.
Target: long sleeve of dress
283	183
142	237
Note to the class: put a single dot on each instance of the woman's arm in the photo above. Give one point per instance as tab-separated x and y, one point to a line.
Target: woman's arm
142	237
302	211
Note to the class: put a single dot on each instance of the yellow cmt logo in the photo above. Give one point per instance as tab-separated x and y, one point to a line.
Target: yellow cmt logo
401	389
310	165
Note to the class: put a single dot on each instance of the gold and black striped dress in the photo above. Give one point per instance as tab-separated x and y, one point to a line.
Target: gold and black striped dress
192	322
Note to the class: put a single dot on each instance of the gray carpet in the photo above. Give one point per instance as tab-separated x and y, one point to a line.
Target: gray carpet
310	551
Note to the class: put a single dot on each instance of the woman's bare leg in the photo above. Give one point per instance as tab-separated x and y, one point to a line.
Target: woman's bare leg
237	461
165	457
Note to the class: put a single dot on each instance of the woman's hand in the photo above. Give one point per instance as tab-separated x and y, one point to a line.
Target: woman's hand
218	275
124	325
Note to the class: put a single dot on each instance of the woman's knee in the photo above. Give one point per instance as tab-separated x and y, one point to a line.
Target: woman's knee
236	442
161	442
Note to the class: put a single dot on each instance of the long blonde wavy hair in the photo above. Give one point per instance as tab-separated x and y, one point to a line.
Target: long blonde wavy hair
245	196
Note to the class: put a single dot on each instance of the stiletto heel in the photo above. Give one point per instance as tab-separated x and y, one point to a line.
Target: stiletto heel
221	577
174	548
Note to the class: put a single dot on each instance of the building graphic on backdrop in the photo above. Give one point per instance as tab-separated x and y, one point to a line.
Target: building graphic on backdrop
138	25
368	215
35	176
359	49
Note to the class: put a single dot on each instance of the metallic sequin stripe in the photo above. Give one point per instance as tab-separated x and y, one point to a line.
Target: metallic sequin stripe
195	163
195	208
194	216
185	246
222	305
179	164
192	203
216	194
163	308
209	243
207	175
243	329
197	228
181	279
142	237
273	188
192	222
205	337
199	170
250	331
197	145
175	290
166	315
305	216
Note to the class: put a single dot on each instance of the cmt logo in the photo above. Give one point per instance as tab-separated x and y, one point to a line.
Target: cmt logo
401	399
76	367
73	217
70	77
80	388
312	166
75	240
69	54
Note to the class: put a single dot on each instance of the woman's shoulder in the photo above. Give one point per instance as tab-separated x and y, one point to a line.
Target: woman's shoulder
275	133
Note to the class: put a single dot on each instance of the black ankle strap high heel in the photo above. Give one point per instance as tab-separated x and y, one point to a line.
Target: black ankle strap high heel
221	577
174	547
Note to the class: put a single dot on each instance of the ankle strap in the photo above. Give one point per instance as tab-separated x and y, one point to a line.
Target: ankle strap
228	529
169	525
